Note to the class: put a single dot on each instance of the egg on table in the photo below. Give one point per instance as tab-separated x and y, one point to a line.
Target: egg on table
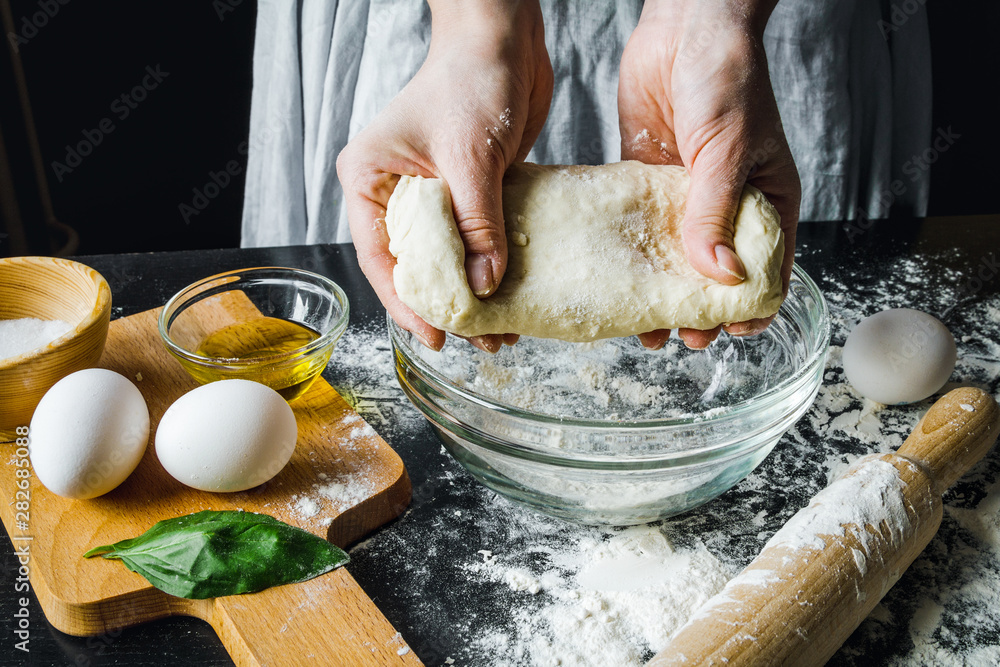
88	433
899	355
229	435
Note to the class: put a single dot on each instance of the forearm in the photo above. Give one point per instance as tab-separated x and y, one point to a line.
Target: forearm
749	15
484	19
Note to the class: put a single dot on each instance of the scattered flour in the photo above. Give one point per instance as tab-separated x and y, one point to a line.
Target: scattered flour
333	497
520	580
396	640
568	595
306	507
29	333
983	522
606	599
944	603
870	494
362	370
332	493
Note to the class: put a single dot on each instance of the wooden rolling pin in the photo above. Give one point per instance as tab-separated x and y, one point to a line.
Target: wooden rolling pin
824	571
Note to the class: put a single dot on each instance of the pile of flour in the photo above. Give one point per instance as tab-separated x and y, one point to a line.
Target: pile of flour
604	599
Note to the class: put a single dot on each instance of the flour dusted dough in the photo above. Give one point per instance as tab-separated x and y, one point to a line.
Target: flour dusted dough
593	252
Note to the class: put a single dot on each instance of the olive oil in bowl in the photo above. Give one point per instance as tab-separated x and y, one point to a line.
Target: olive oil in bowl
259	350
270	324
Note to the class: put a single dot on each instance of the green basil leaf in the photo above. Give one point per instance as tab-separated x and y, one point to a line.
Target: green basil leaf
215	553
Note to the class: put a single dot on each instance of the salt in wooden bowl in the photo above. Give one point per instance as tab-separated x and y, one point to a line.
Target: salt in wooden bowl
49	288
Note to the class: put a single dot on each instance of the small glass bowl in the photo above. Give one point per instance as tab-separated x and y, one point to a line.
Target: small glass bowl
273	325
612	433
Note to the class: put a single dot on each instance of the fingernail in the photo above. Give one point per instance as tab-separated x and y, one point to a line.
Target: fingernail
728	261
424	341
485	344
479	269
656	345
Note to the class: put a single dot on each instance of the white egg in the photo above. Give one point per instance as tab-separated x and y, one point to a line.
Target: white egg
88	433
899	356
229	435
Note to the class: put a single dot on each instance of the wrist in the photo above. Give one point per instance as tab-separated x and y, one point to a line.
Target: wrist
488	22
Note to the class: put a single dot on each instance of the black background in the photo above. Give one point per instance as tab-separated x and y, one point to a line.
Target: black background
126	195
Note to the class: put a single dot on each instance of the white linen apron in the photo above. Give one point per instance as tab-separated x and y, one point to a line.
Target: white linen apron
851	78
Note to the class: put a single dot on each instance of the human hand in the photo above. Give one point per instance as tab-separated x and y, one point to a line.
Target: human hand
694	90
475	106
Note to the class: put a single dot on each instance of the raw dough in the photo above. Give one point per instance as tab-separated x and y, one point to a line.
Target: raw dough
593	252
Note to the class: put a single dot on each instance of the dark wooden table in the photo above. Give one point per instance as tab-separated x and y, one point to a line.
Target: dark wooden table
419	585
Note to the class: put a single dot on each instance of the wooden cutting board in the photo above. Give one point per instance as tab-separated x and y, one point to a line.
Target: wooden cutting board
340	468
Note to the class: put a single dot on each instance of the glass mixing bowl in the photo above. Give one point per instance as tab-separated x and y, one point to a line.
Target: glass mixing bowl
612	433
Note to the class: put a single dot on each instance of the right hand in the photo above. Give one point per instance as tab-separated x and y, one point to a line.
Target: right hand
694	90
475	107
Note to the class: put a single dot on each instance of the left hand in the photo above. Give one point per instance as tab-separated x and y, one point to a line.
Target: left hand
475	106
694	90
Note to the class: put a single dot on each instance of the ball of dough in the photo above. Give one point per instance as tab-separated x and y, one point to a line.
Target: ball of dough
593	252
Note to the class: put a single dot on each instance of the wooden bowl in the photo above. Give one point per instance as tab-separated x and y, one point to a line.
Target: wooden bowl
50	289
